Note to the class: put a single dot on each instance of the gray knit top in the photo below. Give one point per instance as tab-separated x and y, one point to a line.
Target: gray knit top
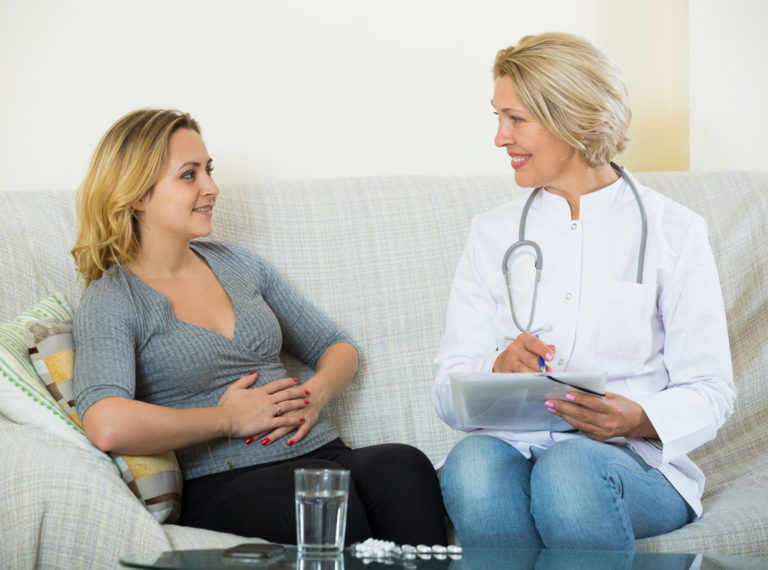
129	343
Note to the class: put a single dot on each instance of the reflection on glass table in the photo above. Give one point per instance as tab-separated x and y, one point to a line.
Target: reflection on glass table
470	559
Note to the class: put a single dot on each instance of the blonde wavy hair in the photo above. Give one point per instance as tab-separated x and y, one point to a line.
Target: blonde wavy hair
571	88
127	162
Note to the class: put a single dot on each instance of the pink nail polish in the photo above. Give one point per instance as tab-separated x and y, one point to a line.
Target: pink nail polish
549	404
570	397
549	356
551	410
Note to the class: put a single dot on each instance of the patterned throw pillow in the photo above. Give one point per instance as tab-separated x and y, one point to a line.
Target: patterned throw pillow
23	397
27	399
155	479
49	342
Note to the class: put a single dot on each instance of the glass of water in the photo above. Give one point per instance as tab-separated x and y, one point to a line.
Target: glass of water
321	510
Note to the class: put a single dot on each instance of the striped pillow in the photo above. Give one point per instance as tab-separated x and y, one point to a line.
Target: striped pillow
23	396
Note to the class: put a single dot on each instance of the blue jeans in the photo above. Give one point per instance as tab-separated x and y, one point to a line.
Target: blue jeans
578	494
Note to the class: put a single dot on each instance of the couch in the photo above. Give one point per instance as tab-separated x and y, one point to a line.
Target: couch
378	255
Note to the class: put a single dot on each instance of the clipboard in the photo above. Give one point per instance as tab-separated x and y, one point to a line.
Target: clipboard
515	402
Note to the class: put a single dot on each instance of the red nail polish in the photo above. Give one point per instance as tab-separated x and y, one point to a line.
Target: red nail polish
265	441
306	392
249	440
306	402
301	420
290	442
252	373
295	379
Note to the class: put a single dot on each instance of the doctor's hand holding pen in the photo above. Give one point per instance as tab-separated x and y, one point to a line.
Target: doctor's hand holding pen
526	353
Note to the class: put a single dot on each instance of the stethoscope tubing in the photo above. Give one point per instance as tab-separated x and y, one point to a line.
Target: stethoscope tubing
539	261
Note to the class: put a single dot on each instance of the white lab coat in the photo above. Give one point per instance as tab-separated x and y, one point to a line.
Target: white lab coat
663	343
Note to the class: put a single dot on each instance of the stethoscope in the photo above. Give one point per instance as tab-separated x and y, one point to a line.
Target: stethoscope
522	242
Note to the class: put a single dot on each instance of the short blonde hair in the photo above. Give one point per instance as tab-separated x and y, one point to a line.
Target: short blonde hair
127	162
571	88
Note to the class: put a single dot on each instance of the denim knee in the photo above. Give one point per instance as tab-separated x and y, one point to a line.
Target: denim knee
486	490
570	457
560	474
471	470
577	496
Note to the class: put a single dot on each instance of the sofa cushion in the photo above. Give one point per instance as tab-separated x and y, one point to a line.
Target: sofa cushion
155	479
64	507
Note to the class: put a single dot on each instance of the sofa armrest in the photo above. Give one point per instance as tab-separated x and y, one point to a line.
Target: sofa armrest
64	507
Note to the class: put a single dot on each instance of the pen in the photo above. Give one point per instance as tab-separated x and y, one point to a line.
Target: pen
542	364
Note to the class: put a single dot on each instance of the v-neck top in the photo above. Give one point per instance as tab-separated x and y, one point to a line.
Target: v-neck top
129	343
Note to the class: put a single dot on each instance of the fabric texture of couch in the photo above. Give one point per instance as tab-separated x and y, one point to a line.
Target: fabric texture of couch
378	256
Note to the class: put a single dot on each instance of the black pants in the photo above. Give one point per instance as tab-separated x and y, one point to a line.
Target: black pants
394	495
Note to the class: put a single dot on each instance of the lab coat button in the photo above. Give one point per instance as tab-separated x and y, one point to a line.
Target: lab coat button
574	225
568	296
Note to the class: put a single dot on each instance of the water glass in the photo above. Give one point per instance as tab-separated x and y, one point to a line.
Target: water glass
321	510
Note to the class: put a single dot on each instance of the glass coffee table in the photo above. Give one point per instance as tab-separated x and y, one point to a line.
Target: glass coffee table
470	559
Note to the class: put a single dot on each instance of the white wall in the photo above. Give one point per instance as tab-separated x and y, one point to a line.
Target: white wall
301	88
729	84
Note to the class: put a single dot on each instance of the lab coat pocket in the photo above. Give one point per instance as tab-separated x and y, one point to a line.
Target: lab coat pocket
628	318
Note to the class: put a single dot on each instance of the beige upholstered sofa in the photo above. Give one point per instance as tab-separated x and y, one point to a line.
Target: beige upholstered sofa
378	255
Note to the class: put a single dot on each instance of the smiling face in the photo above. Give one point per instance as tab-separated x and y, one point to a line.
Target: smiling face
538	157
180	204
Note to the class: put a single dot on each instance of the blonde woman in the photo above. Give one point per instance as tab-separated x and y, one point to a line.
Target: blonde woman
628	286
178	344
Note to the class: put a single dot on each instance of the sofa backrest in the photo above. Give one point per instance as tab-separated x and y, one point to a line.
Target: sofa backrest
378	256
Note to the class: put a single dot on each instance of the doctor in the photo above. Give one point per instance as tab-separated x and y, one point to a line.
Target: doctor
622	472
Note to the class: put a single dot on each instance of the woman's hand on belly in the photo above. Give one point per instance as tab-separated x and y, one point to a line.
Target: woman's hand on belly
307	416
333	372
254	412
